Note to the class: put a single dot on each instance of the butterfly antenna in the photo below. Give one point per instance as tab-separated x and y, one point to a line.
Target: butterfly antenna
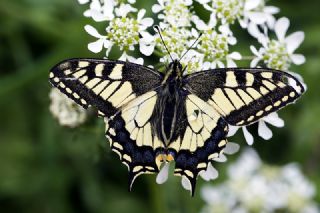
190	47
157	28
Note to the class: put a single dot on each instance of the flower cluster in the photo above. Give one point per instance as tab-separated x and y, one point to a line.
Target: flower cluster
66	111
253	186
198	43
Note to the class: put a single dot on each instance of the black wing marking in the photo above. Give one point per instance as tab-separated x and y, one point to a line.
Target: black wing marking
242	96
104	84
201	140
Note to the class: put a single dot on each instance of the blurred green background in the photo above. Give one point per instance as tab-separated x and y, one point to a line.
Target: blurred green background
48	168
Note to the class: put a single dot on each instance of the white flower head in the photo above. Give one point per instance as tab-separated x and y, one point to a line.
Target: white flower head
214	45
122	31
177	40
175	13
100	11
252	186
278	53
257	13
66	111
227	11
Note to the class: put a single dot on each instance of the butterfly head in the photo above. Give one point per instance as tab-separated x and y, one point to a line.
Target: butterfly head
175	69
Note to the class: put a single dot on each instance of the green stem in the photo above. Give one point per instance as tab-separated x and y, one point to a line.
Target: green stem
156	197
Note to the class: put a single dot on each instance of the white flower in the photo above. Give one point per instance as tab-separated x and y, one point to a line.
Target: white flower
174	12
215	47
193	61
100	11
278	54
122	31
101	43
253	186
177	40
263	130
227	11
66	111
219	199
257	13
126	57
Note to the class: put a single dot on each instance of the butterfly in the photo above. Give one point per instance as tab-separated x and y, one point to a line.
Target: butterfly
154	117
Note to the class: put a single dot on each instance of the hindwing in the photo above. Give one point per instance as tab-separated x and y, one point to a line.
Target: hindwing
201	140
242	96
131	136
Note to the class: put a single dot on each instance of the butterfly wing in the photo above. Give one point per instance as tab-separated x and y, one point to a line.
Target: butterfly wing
201	138
218	97
104	84
125	94
242	96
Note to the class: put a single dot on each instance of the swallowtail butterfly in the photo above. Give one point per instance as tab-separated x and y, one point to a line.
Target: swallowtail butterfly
153	117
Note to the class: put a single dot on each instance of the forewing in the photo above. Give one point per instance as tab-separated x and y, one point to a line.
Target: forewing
104	84
242	96
200	140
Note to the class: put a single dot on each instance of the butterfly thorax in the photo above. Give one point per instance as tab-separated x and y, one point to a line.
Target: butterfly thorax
169	104
173	73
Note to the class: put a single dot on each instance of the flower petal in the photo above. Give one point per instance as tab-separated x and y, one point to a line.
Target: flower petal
264	131
231	148
92	31
255	62
96	46
274	119
222	158
232	130
146	49
294	40
255	51
271	9
163	174
235	56
146	22
141	13
231	63
186	183
247	136
281	28
258	17
210	174
298	59
156	8
83	1
200	25
251	4
203	1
